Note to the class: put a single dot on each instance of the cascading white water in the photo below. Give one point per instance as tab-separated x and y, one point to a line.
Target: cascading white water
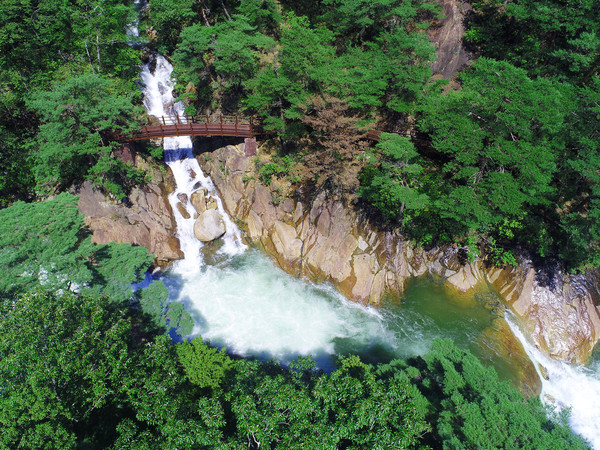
246	304
159	102
253	308
567	386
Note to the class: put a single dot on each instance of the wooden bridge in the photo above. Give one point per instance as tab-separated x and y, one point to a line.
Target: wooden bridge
221	125
230	126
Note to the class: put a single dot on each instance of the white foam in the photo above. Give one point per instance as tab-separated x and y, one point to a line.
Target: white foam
567	386
255	309
159	102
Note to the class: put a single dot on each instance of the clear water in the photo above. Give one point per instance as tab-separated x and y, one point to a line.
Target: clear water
246	304
253	308
568	386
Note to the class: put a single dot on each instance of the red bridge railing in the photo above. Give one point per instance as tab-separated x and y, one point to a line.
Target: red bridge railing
234	126
204	125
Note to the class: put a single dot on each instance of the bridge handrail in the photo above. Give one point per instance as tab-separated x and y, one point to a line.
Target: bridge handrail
182	119
204	125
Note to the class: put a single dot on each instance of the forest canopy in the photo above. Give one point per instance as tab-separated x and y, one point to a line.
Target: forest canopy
504	157
504	160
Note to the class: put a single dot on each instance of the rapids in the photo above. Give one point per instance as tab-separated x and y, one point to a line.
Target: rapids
243	302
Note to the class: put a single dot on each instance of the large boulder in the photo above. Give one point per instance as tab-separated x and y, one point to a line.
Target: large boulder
209	226
198	200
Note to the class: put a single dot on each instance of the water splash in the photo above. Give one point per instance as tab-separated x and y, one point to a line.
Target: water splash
189	178
567	386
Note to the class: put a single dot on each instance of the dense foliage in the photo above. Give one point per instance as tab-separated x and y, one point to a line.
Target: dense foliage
86	361
66	77
506	157
78	370
46	244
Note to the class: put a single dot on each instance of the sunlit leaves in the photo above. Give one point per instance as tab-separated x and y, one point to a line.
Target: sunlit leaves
204	366
79	118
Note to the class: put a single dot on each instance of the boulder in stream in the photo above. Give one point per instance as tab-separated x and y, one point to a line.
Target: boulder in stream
199	201
209	226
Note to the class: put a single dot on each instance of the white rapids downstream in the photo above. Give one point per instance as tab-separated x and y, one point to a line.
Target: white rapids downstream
246	304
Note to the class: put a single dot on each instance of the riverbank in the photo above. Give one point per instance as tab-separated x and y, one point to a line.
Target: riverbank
328	240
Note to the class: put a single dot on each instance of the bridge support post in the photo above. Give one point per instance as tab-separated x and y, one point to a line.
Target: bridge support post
250	146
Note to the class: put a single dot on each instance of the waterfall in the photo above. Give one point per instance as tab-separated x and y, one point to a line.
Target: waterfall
159	102
255	309
567	386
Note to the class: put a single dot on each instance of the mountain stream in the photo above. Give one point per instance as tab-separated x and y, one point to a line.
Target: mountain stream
241	301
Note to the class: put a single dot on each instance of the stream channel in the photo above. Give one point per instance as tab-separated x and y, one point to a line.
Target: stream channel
240	300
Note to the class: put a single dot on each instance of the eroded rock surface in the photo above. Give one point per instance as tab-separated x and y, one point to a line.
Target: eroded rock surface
147	222
328	241
209	226
447	37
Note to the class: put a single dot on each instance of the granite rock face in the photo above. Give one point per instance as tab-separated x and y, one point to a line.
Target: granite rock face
329	241
447	37
209	226
147	221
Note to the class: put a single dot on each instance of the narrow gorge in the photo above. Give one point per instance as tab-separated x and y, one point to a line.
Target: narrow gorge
240	300
209	221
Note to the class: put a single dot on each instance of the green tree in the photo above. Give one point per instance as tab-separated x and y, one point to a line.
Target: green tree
502	135
265	15
391	183
362	20
41	243
578	237
470	407
556	37
218	59
61	359
281	91
80	118
47	243
204	366
364	411
167	410
168	18
16	179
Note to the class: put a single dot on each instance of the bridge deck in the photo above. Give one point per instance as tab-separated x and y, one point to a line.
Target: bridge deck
203	126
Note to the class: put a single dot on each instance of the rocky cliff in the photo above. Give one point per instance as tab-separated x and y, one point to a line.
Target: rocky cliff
147	221
447	36
328	241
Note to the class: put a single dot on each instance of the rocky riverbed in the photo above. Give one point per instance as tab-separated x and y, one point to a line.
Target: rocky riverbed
327	240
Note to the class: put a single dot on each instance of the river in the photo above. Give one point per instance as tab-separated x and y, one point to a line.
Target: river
241	301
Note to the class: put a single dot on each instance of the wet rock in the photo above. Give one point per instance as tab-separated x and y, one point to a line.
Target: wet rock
500	340
147	220
182	197
562	318
465	278
209	226
182	210
326	240
198	201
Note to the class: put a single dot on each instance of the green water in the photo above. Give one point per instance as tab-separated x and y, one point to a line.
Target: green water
473	321
255	309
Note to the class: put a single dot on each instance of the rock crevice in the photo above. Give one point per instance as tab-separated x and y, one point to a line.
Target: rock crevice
327	241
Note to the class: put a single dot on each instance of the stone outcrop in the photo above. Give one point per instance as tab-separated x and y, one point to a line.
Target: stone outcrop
447	36
328	241
209	226
561	314
148	221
